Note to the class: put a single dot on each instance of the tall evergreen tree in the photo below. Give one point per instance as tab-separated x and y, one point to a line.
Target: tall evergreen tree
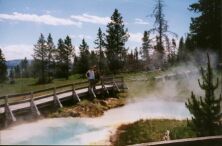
17	71
137	65
206	112
100	46
115	42
172	52
65	52
59	59
146	46
181	50
205	29
41	60
83	61
11	76
130	62
24	68
3	67
51	55
74	65
161	30
69	51
93	58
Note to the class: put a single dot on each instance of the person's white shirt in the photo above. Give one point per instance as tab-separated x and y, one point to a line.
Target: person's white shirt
91	74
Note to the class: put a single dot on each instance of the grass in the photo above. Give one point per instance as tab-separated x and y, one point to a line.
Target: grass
23	85
140	83
86	108
144	131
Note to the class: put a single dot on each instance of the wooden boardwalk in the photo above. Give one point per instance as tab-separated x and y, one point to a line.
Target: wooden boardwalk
34	101
198	141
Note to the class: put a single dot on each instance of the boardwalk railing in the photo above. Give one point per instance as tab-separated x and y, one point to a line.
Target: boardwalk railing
199	141
10	104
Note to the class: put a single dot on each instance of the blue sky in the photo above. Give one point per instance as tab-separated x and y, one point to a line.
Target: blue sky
22	21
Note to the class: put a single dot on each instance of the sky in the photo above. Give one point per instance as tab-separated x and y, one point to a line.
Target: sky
22	21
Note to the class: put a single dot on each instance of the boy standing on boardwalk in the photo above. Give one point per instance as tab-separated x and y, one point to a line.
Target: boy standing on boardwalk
90	74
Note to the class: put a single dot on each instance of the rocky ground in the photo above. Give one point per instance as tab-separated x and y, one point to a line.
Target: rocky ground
87	108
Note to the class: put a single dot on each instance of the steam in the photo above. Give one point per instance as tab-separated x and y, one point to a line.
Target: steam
163	99
91	130
175	84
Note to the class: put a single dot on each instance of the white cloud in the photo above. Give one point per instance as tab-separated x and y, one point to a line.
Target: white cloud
44	19
136	37
17	51
140	21
81	36
91	19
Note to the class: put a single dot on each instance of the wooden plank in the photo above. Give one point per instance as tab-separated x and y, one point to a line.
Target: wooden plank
34	109
74	94
63	86
2	97
104	87
55	96
16	95
56	99
185	142
49	99
116	86
8	112
43	90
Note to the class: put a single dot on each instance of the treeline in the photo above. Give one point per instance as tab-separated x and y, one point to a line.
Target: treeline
158	50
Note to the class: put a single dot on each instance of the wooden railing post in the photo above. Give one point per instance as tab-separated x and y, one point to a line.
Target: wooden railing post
124	86
74	94
103	85
9	116
34	109
56	99
115	85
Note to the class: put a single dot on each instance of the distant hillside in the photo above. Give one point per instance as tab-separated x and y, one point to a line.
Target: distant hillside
13	63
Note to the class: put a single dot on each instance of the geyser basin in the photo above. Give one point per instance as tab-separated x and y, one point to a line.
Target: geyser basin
91	130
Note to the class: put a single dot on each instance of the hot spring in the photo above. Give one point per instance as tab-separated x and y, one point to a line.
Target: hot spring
91	130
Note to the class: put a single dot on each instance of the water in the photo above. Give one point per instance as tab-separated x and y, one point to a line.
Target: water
91	130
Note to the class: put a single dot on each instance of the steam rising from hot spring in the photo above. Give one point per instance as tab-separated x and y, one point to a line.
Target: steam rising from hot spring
166	100
91	130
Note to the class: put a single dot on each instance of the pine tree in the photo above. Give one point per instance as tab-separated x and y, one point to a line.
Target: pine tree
161	30
17	71
83	61
100	46
130	62
59	59
24	68
206	112
41	60
93	59
3	67
172	52
11	76
65	53
146	46
181	50
74	65
115	42
51	55
205	28
69	53
136	58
